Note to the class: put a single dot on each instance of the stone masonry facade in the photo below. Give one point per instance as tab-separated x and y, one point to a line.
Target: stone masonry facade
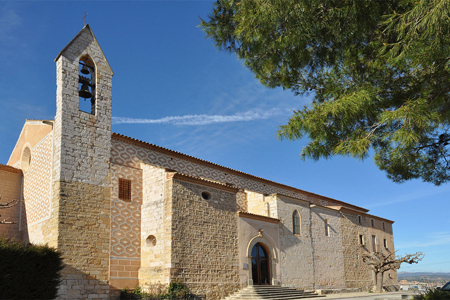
81	177
185	218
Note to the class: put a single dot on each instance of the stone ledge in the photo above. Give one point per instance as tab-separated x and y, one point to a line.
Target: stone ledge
337	291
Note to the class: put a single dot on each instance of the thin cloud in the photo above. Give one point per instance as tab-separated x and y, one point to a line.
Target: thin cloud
435	239
408	198
8	20
190	120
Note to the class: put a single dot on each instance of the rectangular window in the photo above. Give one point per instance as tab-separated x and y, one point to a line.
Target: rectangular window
374	243
296	222
124	189
359	220
361	239
385	243
384	226
372	223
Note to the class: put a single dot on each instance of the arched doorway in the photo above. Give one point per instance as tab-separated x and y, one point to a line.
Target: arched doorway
260	265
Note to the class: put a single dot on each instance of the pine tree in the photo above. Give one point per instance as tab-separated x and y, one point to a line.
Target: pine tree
378	72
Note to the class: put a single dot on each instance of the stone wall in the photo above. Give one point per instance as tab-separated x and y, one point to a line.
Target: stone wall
153	238
81	172
257	204
381	234
296	256
253	229
204	239
328	251
10	189
357	273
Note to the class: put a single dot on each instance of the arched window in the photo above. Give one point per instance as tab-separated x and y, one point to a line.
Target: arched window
296	222
327	228
86	85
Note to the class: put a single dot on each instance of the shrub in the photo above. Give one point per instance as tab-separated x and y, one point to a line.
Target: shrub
433	294
28	272
175	290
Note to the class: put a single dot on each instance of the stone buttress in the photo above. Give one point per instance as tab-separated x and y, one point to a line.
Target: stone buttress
81	170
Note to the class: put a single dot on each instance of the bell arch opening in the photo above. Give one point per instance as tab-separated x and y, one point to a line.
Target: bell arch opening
86	84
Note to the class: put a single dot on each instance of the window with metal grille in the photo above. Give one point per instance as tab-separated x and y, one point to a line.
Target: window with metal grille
296	222
124	189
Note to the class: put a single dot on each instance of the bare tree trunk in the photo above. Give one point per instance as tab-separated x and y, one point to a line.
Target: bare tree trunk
379	282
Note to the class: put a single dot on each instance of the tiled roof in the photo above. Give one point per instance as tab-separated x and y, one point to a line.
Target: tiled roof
9	169
203	181
258	217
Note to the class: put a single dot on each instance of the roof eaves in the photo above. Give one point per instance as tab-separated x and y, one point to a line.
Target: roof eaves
160	149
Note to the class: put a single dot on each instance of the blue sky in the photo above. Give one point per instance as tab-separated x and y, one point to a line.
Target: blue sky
172	88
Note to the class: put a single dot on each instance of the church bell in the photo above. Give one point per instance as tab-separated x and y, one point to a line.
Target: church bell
84	91
85	70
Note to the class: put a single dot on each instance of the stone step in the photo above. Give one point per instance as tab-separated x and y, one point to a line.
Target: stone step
275	293
271	292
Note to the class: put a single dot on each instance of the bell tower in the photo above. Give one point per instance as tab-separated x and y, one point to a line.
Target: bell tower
81	166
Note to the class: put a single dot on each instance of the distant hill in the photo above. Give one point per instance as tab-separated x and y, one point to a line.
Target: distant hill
409	274
427	277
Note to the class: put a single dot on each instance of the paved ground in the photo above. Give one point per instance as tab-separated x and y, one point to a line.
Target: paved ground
369	296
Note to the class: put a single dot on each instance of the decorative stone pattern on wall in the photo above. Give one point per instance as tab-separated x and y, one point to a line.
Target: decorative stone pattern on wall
153	260
126	216
37	183
204	239
328	256
131	155
241	198
296	258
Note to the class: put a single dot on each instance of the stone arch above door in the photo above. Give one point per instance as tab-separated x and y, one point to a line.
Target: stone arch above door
272	253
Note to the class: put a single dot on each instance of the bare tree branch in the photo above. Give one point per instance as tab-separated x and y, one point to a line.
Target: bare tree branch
381	262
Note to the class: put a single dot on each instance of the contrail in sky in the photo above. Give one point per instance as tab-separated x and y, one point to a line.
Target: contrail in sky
202	119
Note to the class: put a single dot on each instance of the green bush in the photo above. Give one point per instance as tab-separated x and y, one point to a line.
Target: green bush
176	290
28	272
433	294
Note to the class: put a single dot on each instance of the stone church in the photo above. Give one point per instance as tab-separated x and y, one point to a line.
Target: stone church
125	212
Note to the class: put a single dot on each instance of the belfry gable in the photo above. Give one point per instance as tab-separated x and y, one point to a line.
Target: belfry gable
75	47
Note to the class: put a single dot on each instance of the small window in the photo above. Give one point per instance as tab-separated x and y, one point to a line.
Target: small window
124	189
361	239
296	222
384	226
25	159
327	228
372	223
385	244
206	195
150	241
359	220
